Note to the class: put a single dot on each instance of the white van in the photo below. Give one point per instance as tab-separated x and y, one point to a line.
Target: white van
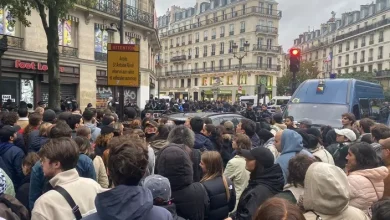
253	99
277	102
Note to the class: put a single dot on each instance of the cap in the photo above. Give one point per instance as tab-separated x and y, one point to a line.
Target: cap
260	154
159	186
152	123
49	116
106	130
7	131
348	133
228	125
305	121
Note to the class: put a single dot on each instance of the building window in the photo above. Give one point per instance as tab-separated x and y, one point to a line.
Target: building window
231	29
220	64
213	49
243	79
340	48
190	38
230	63
182	83
231	43
362	69
371	39
196	51
205	35
177	41
204	51
102	38
380	52
196	69
269	62
381	36
379	67
362	55
204	66
339	62
222	31
204	81
355	44
229	80
67	33
270	9
242	42
355	58
196	82
370	68
222	46
354	70
183	40
242	30
212	65
259	63
6	27
363	41
197	36
213	33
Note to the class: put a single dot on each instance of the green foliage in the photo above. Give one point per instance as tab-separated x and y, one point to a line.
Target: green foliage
308	70
365	76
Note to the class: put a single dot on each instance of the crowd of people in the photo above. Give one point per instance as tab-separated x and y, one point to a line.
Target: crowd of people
90	165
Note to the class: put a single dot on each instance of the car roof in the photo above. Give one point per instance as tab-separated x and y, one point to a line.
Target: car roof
184	116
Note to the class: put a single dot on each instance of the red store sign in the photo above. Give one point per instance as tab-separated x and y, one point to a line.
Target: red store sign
33	66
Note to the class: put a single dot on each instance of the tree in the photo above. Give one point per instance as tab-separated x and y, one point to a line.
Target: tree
308	70
365	76
50	11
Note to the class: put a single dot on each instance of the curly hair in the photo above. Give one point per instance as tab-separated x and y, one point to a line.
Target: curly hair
127	163
10	118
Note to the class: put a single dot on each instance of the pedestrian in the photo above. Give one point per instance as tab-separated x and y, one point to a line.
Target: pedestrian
235	168
316	147
345	137
89	121
297	167
59	159
220	189
201	143
288	143
380	209
278	209
161	192
326	194
160	140
248	127
22	193
174	163
106	134
266	180
37	141
11	156
365	176
127	164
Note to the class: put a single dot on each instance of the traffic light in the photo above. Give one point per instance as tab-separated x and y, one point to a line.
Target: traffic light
295	59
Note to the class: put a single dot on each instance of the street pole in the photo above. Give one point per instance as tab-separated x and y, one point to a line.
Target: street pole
294	82
3	49
121	33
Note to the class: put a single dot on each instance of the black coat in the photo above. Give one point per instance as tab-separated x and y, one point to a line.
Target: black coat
22	193
219	205
190	198
261	187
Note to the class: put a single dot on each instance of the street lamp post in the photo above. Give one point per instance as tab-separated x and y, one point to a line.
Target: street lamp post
237	55
3	49
121	40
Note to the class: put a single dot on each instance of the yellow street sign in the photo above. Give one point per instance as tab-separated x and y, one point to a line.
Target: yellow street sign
123	65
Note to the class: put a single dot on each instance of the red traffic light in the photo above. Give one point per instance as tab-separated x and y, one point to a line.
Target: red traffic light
295	52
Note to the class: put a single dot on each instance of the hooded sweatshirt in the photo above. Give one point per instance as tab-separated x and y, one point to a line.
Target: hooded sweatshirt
95	131
326	194
263	184
190	198
127	203
291	145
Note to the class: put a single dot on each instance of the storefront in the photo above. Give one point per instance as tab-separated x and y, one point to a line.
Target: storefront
225	95
104	92
28	81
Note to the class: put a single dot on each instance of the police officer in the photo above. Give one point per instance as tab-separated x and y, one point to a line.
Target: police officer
249	112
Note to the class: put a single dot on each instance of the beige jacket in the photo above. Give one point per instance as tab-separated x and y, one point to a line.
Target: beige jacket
367	187
235	170
101	174
326	194
53	206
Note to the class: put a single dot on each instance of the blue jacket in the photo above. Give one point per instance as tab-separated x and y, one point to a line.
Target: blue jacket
11	162
291	145
84	167
127	202
35	141
202	141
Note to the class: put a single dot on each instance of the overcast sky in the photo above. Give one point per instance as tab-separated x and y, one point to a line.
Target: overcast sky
298	15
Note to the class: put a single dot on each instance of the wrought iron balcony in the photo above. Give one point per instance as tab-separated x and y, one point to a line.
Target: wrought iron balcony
231	33
378	24
380	56
382	73
371	41
248	66
112	7
221	52
267	48
362	60
178	58
68	51
100	56
222	35
14	42
354	61
242	30
266	29
213	37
